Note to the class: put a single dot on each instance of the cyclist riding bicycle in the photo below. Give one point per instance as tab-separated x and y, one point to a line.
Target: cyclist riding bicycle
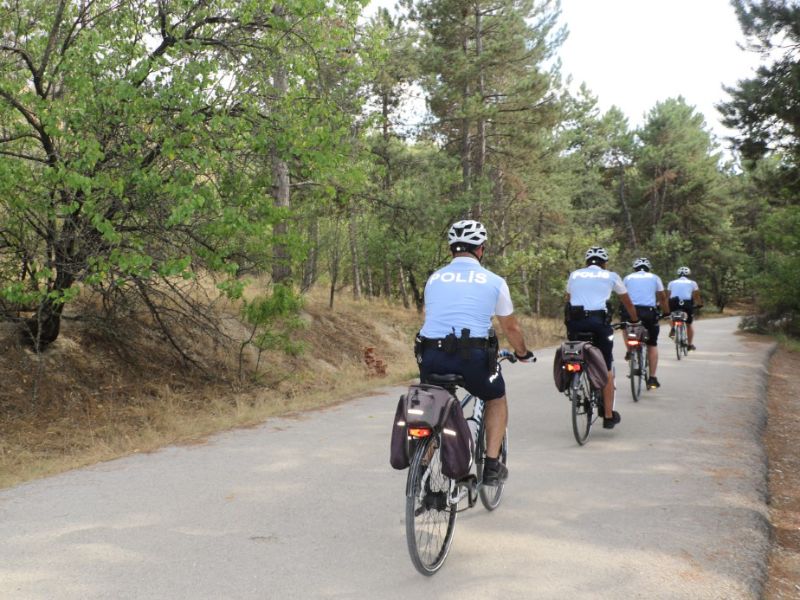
588	290
684	294
457	335
646	291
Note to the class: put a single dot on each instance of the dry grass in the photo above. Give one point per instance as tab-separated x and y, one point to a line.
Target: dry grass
92	398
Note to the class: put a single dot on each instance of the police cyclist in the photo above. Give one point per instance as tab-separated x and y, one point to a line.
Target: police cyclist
588	290
457	335
684	294
646	291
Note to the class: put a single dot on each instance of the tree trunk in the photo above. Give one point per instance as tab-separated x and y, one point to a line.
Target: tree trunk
43	329
403	291
480	143
310	270
354	252
625	208
281	266
466	159
387	279
419	301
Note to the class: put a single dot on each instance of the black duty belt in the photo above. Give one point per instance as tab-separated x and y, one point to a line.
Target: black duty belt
596	313
438	343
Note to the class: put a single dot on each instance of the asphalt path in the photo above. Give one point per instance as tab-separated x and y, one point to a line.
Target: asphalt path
670	504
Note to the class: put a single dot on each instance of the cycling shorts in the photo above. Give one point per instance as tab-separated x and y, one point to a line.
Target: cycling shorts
649	318
478	379
686	306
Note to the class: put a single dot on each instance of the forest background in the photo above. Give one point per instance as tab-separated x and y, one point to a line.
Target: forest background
167	164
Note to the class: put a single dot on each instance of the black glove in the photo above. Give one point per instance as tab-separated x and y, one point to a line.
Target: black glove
528	357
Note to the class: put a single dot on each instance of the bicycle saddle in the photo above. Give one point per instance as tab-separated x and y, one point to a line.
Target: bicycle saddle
582	336
444	379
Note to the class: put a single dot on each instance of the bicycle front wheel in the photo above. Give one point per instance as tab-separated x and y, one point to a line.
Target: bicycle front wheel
581	407
490	494
636	373
430	516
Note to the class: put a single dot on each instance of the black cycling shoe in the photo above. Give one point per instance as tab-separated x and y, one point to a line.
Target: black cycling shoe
614	420
672	332
652	383
691	347
628	355
494	472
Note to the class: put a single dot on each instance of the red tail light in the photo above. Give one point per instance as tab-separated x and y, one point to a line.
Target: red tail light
573	367
419	432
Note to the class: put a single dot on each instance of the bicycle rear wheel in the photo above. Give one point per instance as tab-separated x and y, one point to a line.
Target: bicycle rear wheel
490	494
581	407
636	372
685	340
678	340
430	516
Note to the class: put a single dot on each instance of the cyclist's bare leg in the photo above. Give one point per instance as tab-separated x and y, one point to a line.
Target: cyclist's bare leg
608	396
496	417
652	359
689	333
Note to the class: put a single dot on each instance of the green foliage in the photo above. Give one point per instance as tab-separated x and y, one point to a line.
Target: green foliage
778	284
134	137
274	319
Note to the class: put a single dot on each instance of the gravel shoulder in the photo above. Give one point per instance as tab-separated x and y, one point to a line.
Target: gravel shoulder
780	442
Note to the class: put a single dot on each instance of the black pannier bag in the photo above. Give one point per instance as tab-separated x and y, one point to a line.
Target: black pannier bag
432	406
588	354
458	446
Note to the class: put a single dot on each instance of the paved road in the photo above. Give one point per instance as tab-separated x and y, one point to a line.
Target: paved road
668	505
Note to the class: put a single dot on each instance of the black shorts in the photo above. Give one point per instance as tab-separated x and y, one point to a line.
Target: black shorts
649	318
686	306
603	335
478	380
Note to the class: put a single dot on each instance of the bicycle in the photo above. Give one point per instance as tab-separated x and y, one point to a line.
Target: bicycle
681	338
432	498
638	363
586	400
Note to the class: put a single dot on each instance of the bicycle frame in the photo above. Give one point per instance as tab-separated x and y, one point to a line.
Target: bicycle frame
678	319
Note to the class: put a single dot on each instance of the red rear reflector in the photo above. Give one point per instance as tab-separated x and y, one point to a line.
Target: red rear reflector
419	432
573	367
632	342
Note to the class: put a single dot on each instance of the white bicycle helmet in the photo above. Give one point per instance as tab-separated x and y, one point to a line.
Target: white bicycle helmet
597	252
684	271
642	262
467	232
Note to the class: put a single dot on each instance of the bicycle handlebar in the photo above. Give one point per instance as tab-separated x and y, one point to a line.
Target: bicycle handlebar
510	356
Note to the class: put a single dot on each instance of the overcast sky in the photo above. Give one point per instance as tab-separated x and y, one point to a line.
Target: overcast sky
634	53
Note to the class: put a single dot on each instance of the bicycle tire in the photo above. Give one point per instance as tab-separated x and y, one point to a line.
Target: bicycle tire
678	330
581	407
685	341
636	372
490	494
430	517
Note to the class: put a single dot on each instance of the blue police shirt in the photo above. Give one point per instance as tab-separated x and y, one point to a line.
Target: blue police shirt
464	295
591	286
682	288
642	287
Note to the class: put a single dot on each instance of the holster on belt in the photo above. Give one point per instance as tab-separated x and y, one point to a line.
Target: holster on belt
450	343
418	348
